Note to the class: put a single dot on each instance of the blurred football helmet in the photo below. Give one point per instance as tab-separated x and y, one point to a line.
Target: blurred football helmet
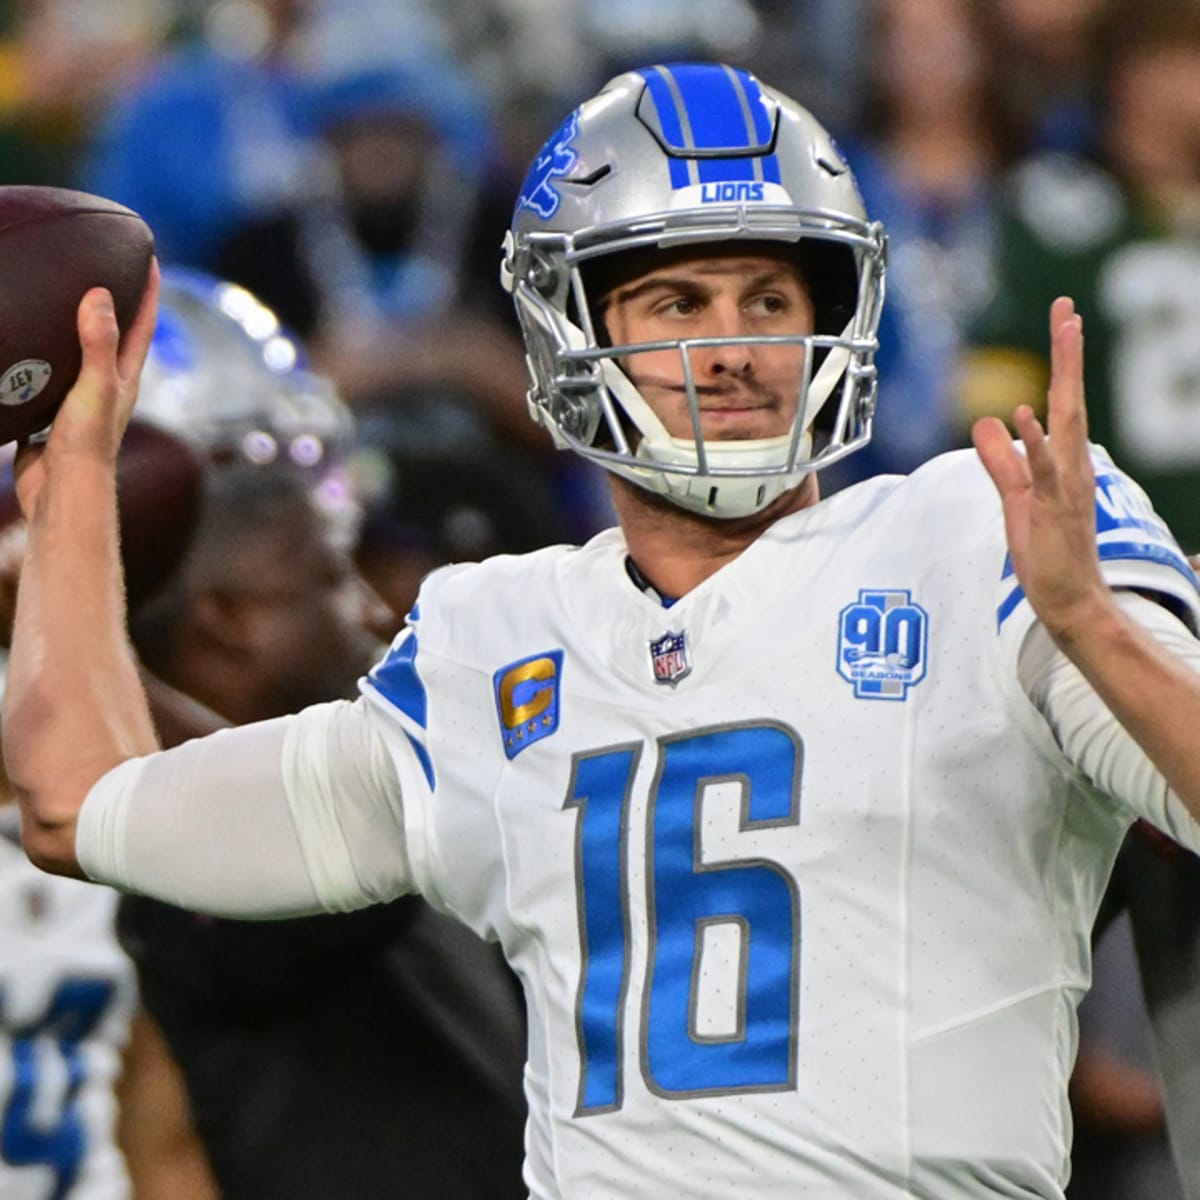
675	156
223	374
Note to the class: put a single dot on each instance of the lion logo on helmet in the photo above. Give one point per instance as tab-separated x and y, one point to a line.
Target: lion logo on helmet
556	160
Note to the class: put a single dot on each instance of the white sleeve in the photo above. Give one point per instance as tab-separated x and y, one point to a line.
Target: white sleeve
1092	738
276	819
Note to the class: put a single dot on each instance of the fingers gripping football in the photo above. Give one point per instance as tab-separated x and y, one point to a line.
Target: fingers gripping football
93	417
98	406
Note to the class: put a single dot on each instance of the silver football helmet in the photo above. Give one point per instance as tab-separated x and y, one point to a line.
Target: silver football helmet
674	156
223	374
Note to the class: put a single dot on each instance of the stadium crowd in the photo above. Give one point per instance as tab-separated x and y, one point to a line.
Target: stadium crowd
352	165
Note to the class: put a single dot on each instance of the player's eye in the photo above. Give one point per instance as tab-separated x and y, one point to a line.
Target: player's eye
771	304
337	573
678	306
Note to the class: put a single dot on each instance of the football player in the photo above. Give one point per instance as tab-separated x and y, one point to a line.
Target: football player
1121	224
67	999
791	814
87	1099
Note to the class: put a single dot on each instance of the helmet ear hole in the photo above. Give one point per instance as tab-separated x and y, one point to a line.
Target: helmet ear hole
543	277
831	275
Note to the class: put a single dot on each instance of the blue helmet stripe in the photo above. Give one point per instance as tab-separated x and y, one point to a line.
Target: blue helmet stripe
716	108
701	107
757	106
669	114
754	105
723	170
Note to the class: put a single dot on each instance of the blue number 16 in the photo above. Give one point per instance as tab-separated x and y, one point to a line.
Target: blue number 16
684	897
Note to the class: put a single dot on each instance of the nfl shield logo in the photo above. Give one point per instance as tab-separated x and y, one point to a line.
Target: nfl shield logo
669	656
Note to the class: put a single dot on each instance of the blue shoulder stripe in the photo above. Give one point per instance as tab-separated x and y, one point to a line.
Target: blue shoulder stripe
396	679
425	761
1143	551
1127	527
1151	552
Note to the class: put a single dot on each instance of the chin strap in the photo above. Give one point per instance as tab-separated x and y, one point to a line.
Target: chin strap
717	493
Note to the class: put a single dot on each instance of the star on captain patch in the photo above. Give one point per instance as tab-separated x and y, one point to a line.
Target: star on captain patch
669	658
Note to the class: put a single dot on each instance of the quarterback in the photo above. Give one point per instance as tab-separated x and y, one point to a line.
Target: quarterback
791	814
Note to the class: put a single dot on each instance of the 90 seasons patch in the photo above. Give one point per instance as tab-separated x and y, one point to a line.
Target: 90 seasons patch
882	644
527	700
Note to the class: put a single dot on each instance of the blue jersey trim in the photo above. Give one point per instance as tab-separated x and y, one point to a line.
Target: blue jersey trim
1009	603
396	679
424	759
1161	555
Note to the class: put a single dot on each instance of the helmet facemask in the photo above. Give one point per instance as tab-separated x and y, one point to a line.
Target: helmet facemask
581	389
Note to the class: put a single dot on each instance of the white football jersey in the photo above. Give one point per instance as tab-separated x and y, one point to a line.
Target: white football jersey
798	882
66	1002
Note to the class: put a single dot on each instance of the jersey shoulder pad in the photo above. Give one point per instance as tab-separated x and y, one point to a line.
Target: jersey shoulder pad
955	486
468	596
1136	549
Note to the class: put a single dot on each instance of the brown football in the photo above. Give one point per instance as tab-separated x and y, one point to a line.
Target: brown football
55	244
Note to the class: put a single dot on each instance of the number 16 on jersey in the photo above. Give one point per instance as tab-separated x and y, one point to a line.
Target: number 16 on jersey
688	900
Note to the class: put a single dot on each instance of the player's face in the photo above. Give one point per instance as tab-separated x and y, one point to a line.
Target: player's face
312	624
743	391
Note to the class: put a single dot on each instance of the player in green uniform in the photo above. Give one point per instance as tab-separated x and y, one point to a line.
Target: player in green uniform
1125	242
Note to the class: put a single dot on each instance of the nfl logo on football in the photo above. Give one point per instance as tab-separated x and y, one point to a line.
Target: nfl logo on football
669	656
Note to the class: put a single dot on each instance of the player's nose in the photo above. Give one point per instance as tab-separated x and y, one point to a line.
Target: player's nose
375	615
726	321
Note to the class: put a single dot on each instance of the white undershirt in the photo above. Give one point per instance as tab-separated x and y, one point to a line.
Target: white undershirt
303	813
275	819
1087	732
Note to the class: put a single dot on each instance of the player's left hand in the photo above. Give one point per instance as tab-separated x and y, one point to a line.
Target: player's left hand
1048	493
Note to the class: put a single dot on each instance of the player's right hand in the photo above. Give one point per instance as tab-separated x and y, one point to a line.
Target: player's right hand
1048	493
91	422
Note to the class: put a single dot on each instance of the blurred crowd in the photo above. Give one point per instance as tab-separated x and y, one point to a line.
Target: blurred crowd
352	165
